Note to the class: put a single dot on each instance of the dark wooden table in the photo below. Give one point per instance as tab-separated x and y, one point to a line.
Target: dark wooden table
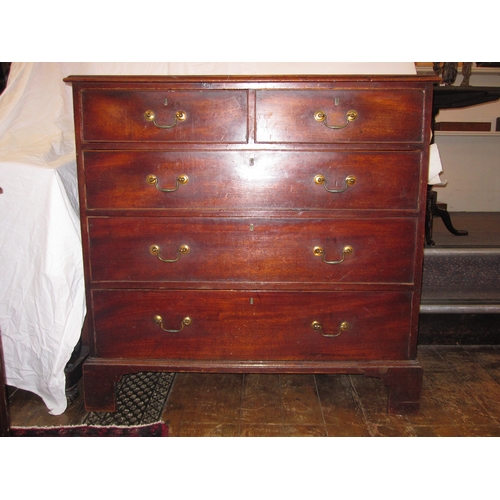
452	97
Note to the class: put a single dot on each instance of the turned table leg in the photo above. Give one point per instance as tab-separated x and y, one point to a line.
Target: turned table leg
432	210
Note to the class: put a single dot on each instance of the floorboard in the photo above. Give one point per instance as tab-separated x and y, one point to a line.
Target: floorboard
460	397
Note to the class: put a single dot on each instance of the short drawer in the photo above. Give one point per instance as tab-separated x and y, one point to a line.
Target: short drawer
337	116
251	250
213	116
225	325
251	180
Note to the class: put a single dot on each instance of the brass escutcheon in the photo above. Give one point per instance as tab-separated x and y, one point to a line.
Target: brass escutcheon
320	116
150	116
343	327
181	180
159	321
350	180
183	250
351	115
181	116
320	252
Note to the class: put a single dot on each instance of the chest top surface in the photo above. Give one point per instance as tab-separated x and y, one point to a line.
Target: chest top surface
261	110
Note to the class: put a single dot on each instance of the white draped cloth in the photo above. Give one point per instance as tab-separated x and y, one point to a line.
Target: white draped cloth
42	300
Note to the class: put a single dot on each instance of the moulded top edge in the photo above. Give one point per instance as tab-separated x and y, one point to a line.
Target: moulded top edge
246	78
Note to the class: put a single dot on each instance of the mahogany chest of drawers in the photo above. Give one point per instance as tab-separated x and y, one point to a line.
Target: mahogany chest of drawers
253	224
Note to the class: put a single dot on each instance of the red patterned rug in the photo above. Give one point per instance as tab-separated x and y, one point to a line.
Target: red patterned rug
157	429
140	399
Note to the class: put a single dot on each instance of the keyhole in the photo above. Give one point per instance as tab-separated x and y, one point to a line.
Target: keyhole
337	100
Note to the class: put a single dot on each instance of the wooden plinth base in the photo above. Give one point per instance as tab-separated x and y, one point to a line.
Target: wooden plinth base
403	378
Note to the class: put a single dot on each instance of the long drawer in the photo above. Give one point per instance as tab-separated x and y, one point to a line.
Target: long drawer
368	115
246	180
220	249
213	116
251	325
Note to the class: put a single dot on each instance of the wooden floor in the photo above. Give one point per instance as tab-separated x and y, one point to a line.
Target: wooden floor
461	397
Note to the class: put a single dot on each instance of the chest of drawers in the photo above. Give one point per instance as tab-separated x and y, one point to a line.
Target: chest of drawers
253	224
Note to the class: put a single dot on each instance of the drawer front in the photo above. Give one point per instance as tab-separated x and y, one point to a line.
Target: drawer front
204	116
380	116
251	325
251	180
237	250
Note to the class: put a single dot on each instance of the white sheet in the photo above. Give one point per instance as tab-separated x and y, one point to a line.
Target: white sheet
42	304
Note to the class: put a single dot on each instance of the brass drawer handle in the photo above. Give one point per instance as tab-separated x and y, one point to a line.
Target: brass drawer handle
350	180
319	252
153	180
320	116
343	327
150	116
183	250
159	321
